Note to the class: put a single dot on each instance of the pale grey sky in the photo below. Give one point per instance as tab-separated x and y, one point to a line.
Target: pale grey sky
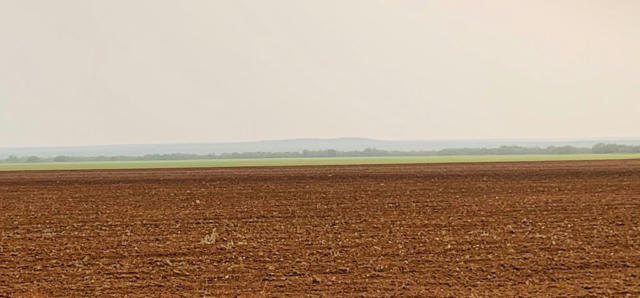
82	72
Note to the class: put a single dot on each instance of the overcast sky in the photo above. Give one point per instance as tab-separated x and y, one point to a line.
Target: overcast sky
81	72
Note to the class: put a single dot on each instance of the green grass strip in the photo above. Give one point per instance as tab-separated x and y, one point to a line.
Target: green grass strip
303	161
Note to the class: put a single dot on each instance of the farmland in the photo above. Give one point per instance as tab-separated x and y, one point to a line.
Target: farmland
431	229
304	161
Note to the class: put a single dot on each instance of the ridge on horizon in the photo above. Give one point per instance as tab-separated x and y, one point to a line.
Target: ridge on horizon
299	144
506	139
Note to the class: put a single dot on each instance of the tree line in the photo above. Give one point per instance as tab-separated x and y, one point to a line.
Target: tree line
369	152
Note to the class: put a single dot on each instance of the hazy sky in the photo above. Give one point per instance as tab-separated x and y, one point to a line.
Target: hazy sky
79	72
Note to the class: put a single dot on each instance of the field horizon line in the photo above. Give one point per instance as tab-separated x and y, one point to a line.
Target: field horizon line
309	161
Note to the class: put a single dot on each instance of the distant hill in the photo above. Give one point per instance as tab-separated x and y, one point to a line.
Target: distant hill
297	145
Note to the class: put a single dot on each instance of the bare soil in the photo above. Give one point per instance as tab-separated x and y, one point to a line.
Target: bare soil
486	229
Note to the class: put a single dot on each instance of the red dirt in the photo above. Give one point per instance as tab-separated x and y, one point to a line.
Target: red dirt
492	229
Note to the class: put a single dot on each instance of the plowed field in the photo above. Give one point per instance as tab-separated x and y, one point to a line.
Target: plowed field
486	229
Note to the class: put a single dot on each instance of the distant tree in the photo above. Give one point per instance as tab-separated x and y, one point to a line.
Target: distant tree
60	158
33	159
614	148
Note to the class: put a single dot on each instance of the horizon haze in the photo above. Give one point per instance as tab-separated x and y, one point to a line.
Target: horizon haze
89	72
299	145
